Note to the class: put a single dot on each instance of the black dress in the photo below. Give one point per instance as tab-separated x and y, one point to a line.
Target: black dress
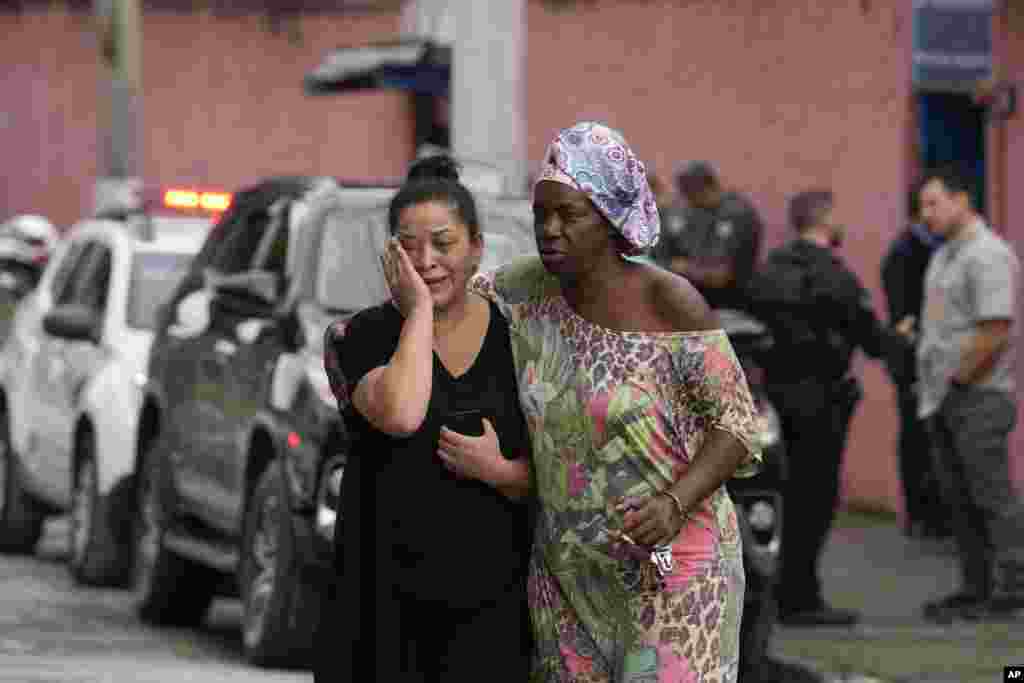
431	568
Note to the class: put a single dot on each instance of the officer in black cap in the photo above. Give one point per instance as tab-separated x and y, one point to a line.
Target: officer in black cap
819	314
712	239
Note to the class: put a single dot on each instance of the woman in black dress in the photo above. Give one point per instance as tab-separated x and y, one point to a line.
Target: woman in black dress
433	537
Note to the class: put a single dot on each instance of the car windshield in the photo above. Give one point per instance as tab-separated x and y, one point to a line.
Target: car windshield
350	278
155	274
349	275
506	237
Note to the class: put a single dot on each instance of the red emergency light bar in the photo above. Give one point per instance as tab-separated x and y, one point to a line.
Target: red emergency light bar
192	200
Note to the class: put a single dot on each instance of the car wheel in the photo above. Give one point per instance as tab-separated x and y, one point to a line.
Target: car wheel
21	518
95	557
279	606
169	589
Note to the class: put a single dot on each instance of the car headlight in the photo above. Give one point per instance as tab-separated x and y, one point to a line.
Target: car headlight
329	498
770	427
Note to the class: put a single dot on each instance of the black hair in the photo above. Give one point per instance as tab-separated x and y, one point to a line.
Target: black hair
955	177
696	175
914	203
435	179
807	208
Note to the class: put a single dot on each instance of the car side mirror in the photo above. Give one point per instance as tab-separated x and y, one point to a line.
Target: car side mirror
73	322
248	292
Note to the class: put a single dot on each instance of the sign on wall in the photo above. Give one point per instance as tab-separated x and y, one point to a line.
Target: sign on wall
952	44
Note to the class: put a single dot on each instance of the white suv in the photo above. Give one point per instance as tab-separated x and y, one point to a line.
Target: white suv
71	373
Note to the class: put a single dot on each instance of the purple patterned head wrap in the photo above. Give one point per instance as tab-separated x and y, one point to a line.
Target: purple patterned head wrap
595	159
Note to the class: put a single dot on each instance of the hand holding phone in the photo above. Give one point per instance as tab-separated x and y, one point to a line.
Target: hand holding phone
467	448
465	422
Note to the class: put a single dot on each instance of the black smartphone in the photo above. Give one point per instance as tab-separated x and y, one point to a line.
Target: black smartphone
468	422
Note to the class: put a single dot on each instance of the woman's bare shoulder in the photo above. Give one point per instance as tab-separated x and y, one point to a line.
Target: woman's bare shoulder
679	304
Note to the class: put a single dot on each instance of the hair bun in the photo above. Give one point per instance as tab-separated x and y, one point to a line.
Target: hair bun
437	167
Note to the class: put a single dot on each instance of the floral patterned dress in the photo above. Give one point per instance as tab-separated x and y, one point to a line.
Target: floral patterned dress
616	417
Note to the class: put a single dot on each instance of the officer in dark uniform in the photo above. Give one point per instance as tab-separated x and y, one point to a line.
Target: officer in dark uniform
818	313
903	270
712	239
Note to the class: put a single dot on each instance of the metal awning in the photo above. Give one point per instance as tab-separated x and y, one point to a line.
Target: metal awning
419	66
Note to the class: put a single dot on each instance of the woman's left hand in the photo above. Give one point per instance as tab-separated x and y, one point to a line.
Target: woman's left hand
656	522
475	457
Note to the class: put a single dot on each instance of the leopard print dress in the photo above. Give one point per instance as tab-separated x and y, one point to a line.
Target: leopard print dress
614	418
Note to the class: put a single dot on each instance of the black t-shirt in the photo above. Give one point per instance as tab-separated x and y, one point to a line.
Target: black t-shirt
903	271
433	535
730	233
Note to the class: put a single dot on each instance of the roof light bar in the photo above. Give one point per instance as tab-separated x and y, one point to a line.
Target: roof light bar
215	201
190	199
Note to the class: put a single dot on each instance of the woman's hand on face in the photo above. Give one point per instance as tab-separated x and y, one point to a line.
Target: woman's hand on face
408	290
471	457
656	522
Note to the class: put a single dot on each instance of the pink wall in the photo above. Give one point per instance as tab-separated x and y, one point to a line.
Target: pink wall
224	102
223	105
781	96
48	136
1009	46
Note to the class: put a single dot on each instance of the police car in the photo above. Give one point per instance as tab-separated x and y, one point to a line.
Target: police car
71	372
26	242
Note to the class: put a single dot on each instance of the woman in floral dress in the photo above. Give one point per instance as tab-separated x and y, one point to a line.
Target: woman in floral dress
639	412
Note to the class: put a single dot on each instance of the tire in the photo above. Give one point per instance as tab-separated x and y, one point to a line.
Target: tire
21	518
280	609
97	553
170	590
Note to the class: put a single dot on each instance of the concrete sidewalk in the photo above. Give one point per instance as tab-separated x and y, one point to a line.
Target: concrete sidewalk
869	566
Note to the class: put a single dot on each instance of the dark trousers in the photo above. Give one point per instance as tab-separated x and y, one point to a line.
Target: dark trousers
815	417
921	495
970	438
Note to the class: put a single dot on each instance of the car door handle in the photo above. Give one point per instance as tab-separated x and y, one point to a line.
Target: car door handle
225	347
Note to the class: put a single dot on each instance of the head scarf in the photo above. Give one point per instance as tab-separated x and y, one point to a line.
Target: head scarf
595	159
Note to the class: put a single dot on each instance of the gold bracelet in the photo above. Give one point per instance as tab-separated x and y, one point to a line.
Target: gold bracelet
678	503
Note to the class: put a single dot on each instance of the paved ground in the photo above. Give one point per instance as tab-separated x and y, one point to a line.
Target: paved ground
870	566
54	632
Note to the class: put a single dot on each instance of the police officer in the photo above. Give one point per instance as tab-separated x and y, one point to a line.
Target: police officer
818	313
712	240
903	270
